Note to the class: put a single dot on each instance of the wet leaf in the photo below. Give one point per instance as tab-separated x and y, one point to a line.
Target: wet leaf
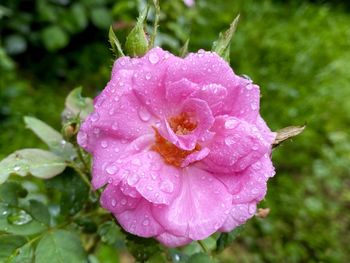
60	246
51	137
287	133
37	162
222	45
115	44
225	239
77	106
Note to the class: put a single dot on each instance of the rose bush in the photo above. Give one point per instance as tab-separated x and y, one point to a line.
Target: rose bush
180	146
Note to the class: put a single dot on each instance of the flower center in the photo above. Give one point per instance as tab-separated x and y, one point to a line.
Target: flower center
181	125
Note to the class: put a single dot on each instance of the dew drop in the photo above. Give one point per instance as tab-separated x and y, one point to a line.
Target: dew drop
82	138
112	169
254	106
229	140
153	58
144	114
16	168
19	217
104	144
251	209
136	161
148	76
123	201
115	126
145	222
167	186
149	188
133	179
230	124
94	116
114	202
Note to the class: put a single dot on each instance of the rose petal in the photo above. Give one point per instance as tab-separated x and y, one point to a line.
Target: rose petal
199	210
170	240
236	145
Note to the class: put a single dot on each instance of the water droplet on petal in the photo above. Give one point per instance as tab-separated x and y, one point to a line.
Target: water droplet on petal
145	222
251	209
133	179
148	76
167	186
112	169
144	114
123	201
149	188
94	116
82	139
114	202
230	123
104	144
136	161
229	140
153	58
115	126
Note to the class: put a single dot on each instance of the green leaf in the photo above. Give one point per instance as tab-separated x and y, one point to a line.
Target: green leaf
222	45
79	14
8	245
15	44
37	162
287	133
51	137
101	17
184	49
115	44
199	258
10	191
225	239
23	254
77	106
60	246
69	191
142	248
39	211
54	38
16	220
136	42
109	232
107	254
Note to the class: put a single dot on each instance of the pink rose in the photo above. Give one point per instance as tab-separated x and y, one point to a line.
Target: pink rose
180	145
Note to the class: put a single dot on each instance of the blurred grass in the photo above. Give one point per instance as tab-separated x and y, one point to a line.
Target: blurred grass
299	54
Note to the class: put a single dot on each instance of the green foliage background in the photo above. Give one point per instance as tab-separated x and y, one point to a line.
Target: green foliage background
297	51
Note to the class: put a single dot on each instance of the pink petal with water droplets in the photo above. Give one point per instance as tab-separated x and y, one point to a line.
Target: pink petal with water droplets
114	200
156	181
236	145
140	221
199	209
148	80
178	91
170	240
238	215
201	114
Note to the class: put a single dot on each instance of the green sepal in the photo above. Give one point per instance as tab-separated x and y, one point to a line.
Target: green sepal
115	44
222	45
136	42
